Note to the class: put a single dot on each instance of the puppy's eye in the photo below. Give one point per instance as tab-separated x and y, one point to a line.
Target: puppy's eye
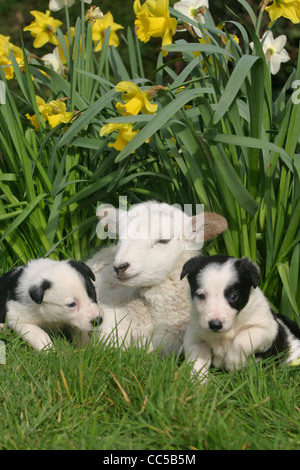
201	296
233	297
72	304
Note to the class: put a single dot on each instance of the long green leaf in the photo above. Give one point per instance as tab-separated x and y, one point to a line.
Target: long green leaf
234	184
250	142
25	213
208	49
86	117
284	273
162	117
233	85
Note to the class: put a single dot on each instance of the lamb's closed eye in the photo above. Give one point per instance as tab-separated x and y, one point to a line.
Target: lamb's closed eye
162	242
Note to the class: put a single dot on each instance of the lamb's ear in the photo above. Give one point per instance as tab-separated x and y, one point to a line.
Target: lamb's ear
190	266
206	226
37	291
249	270
213	225
82	268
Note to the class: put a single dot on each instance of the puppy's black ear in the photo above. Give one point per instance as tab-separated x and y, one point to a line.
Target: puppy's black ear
82	268
190	266
249	270
37	291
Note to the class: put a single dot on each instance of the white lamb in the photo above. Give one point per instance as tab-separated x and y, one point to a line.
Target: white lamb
138	282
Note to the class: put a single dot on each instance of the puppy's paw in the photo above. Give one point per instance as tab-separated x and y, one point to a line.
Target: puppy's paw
235	359
200	372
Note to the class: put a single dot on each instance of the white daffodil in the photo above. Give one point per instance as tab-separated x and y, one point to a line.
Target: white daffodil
193	9
55	5
274	50
54	60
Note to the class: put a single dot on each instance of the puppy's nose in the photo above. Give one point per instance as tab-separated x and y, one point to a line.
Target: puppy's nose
97	321
215	325
121	268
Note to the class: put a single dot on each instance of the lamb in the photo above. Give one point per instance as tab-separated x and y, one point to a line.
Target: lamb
141	297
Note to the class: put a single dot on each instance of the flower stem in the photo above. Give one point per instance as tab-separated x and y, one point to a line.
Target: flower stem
68	26
258	23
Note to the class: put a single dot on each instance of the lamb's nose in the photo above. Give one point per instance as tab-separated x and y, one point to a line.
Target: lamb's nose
121	268
215	325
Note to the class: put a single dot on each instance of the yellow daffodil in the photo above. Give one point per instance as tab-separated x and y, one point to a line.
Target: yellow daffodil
125	134
59	113
135	100
6	48
287	8
99	27
55	112
44	109
66	37
225	39
153	20
43	29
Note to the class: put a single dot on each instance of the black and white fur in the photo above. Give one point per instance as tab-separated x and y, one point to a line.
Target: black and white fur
230	318
48	294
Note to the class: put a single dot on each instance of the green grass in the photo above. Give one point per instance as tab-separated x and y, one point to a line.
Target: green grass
101	398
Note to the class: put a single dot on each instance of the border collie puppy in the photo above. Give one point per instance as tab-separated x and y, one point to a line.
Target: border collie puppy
230	319
47	294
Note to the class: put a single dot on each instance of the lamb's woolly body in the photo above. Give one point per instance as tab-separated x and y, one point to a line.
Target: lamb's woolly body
154	315
147	303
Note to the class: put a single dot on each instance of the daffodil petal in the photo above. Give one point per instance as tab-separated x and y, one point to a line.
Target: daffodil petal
109	128
127	86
